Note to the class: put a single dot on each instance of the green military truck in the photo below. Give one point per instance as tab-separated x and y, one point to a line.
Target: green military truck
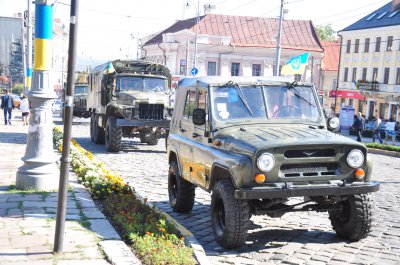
129	99
80	94
254	143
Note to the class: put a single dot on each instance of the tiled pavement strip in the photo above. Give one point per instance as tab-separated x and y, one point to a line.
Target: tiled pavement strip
27	220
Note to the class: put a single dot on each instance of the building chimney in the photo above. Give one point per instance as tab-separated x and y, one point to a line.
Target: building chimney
395	4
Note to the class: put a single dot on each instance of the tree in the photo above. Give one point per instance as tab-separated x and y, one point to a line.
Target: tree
16	66
326	33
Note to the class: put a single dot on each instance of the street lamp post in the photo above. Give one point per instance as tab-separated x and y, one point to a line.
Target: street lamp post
278	43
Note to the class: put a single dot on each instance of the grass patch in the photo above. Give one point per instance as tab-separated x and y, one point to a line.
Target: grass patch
154	240
383	147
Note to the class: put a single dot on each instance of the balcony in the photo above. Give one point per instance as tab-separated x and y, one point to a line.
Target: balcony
367	86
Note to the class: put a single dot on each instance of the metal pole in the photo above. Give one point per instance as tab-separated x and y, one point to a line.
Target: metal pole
278	43
39	170
187	58
29	48
24	62
69	100
197	33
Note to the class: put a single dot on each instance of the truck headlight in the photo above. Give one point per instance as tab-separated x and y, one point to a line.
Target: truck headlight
355	158
266	162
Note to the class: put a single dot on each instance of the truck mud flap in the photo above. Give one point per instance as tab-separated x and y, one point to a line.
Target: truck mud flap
271	193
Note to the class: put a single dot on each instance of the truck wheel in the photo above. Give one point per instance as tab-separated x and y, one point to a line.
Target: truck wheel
229	216
113	135
98	132
149	138
92	128
353	221
181	192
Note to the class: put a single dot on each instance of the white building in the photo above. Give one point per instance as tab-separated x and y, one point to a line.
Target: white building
233	46
370	62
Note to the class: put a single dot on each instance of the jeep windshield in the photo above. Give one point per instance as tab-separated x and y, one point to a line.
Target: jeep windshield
140	83
272	103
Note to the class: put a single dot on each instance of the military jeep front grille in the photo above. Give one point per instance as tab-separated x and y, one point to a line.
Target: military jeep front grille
309	170
310	153
151	111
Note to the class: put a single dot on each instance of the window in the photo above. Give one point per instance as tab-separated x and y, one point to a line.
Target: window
348	46
374	74
182	67
378	44
364	74
389	43
360	105
381	15
346	74
354	75
351	102
190	104
366	45
235	69
357	45
203	101
386	75
398	76
256	70
371	16
334	83
297	77
382	109
212	68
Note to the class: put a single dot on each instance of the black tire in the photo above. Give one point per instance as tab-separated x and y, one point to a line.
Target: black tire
229	216
98	132
92	128
181	192
148	138
353	221
113	135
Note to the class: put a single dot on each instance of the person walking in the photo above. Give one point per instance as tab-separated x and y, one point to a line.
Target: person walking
359	124
377	129
24	107
7	105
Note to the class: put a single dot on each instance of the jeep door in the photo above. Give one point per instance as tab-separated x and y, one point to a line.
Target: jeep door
186	128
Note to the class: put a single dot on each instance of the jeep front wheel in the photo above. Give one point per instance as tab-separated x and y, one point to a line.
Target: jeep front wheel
353	220
113	135
229	216
181	192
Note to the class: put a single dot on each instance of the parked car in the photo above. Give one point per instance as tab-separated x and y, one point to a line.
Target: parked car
57	106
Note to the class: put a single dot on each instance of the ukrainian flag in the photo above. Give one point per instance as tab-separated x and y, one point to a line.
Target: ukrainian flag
295	65
110	68
43	37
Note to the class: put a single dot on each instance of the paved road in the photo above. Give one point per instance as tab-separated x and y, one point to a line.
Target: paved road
295	238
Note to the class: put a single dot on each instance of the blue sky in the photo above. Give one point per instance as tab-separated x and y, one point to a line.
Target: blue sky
109	29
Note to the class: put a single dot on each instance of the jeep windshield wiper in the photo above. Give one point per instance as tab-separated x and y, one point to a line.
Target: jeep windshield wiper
293	86
243	99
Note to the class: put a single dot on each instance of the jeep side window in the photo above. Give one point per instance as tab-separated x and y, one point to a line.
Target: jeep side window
190	104
202	103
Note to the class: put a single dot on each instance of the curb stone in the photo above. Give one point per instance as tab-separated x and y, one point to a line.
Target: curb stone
383	152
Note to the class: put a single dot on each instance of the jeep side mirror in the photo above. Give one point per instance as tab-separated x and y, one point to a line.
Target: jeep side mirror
199	116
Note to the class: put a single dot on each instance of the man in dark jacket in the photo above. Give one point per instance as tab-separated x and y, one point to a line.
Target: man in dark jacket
359	125
7	106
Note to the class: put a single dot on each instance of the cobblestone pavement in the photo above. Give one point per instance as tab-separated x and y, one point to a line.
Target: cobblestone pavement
295	238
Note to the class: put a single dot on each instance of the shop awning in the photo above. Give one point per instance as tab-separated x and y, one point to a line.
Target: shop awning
346	94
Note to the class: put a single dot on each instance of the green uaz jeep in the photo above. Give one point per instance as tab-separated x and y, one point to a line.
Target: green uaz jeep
254	143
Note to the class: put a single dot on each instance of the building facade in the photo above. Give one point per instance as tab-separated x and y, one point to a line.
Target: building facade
233	46
370	64
329	71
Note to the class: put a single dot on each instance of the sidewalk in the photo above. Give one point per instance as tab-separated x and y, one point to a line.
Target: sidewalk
27	219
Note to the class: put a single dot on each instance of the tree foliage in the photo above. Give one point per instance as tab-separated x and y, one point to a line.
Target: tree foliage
16	66
326	33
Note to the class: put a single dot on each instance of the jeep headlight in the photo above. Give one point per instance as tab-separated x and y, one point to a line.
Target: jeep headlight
266	162
355	158
333	123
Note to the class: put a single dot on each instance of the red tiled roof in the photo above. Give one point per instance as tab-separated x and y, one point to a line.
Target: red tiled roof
248	31
330	62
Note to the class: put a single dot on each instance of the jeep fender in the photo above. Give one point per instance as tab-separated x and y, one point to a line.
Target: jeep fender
172	155
368	168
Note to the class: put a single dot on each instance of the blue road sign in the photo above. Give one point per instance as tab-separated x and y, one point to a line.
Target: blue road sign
194	71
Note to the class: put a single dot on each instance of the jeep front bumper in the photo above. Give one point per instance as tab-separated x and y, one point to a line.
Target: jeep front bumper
311	190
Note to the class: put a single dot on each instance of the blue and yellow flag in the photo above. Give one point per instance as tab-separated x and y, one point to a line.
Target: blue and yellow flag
295	65
110	68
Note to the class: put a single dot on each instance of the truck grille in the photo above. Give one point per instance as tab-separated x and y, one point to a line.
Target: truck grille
309	170
151	111
310	153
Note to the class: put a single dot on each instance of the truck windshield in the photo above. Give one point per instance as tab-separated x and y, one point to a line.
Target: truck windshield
129	83
80	89
265	102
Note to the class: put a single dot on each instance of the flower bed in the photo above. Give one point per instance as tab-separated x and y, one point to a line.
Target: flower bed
154	240
383	147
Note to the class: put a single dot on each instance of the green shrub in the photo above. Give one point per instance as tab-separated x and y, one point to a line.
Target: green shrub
383	147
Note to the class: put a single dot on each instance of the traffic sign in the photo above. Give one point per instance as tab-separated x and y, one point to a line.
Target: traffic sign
194	71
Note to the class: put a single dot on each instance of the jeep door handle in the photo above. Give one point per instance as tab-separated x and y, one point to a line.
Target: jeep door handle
195	135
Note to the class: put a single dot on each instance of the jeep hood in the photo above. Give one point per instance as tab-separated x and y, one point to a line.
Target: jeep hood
250	140
131	98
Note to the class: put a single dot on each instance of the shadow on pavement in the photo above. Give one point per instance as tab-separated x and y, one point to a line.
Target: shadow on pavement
9	137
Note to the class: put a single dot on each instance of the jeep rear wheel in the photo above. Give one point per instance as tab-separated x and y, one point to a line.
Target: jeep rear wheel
113	135
353	220
98	132
229	216
181	192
